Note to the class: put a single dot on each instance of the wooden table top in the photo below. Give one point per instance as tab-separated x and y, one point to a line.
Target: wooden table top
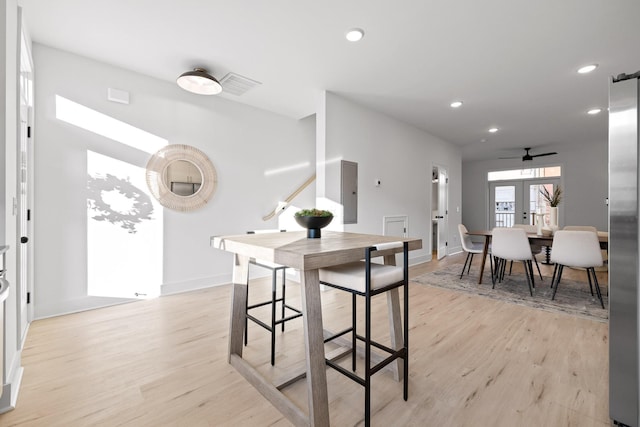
294	249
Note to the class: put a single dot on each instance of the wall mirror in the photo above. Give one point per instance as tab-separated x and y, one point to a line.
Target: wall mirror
181	177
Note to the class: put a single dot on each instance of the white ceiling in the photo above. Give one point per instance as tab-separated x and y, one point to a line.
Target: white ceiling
512	62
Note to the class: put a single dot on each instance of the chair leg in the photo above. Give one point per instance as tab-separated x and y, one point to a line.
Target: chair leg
353	332
528	272
538	267
553	278
510	268
595	279
530	265
465	264
367	361
470	262
274	277
491	264
406	340
590	285
558	277
246	319
504	267
496	273
283	299
493	273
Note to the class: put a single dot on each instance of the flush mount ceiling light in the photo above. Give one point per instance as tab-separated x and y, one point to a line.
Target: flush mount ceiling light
594	111
200	82
493	129
456	104
354	34
587	68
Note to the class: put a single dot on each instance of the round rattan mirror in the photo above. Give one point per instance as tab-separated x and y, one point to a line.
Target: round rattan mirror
181	177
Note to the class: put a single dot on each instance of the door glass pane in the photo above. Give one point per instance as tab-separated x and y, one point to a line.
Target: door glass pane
505	205
536	202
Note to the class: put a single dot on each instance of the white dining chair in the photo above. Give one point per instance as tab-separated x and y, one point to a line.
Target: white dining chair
471	248
535	249
367	279
578	249
511	244
273	302
580	228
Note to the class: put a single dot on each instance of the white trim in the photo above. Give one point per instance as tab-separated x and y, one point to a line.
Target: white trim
11	389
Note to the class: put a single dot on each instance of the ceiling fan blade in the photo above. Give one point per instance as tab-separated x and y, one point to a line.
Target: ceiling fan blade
543	154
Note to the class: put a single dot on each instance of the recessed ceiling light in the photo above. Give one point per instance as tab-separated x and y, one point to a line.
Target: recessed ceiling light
493	130
594	111
456	104
587	68
355	34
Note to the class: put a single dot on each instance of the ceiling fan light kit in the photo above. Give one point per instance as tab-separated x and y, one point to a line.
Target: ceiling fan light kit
200	82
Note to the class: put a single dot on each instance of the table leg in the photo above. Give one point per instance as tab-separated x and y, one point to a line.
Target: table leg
314	347
485	251
239	304
547	255
395	323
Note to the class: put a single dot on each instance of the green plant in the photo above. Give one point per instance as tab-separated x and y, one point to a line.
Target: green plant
313	212
553	199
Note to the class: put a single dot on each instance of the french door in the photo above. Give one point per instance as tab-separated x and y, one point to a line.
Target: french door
517	202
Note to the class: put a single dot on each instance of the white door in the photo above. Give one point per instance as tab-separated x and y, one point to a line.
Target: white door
25	156
506	204
517	202
443	212
398	226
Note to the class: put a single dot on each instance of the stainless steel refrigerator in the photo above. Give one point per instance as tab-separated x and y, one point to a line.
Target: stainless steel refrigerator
624	273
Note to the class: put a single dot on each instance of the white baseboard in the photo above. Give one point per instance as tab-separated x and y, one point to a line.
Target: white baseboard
195	284
11	388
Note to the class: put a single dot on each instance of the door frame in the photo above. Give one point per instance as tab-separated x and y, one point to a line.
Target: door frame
442	237
24	180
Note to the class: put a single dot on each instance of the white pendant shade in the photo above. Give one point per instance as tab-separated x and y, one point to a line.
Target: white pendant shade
200	82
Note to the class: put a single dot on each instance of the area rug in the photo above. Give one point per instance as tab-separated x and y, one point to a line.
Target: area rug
573	297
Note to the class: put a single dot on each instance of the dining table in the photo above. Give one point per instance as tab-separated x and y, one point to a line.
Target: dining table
534	239
295	250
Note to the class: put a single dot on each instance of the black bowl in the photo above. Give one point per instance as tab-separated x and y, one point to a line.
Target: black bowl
313	224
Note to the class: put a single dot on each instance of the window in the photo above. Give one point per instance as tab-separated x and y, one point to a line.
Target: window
516	174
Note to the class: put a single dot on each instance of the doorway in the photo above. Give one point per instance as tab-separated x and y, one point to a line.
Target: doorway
517	202
440	210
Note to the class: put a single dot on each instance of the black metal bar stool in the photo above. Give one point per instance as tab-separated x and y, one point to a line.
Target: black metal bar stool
367	279
271	326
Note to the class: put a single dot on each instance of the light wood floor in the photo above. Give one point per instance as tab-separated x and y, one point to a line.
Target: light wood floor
162	362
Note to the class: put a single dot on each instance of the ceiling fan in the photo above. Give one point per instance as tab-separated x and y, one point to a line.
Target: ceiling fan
528	156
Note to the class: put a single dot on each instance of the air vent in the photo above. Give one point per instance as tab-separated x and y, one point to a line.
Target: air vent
236	84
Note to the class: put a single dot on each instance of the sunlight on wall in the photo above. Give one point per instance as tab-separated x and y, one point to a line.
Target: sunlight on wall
101	124
277	171
334	207
124	231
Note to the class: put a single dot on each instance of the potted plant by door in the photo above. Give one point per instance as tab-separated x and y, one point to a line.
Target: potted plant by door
313	220
554	200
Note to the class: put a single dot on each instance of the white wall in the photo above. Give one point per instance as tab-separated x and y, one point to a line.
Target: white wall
398	154
242	143
584	183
